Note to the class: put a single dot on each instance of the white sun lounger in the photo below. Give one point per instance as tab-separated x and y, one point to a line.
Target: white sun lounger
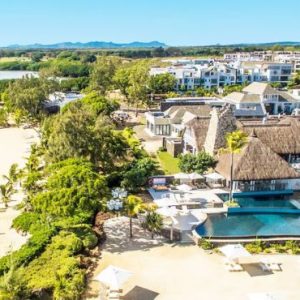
268	265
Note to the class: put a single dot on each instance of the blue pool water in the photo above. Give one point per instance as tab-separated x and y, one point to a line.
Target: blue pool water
250	225
270	202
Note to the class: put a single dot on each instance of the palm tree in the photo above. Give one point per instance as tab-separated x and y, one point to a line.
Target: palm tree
13	174
235	141
6	193
132	206
153	222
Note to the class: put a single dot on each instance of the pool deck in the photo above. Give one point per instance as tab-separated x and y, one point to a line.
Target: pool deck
164	271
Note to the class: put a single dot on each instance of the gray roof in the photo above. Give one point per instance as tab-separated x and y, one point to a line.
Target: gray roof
237	97
255	111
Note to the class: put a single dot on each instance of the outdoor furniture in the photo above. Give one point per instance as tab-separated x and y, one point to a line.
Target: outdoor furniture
269	265
214	180
236	253
113	277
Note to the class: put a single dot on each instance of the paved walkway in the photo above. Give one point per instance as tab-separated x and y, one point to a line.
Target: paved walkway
164	271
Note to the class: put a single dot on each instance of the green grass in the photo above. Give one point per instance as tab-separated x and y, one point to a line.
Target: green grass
168	163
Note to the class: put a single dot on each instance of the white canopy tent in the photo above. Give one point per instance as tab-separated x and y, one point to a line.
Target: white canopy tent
113	277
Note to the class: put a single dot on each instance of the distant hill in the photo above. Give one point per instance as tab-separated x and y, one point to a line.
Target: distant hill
96	44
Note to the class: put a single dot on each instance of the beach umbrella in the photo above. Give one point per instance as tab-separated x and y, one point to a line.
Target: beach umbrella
235	251
195	176
113	277
169	212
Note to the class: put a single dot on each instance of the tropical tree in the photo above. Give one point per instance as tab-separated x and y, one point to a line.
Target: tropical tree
162	83
132	206
153	222
13	174
235	141
101	78
7	191
3	117
199	163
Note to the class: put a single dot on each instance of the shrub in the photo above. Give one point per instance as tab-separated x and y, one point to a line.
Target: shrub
25	221
232	203
255	247
57	270
199	163
29	251
86	234
206	244
293	247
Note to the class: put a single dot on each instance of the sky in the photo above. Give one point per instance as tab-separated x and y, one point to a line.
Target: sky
174	22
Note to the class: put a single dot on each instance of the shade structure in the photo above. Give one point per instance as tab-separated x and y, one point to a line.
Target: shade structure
214	176
184	187
165	202
195	176
167	211
182	176
113	277
235	252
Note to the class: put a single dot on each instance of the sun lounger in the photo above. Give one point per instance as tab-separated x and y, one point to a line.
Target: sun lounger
268	265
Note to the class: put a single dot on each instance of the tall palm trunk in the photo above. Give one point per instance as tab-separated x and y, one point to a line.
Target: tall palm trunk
130	227
231	177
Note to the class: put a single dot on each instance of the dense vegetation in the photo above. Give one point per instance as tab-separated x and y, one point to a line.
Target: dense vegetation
68	178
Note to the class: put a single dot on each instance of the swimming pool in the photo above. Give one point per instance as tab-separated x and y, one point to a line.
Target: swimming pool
270	202
250	225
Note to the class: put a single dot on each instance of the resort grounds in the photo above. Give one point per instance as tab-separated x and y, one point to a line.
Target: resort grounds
165	271
15	147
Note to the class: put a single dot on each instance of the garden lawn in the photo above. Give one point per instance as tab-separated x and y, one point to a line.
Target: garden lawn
168	163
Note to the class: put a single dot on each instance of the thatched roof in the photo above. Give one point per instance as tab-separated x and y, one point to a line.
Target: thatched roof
282	136
198	127
255	162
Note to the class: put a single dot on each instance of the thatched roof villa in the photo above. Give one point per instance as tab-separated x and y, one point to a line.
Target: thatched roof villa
258	168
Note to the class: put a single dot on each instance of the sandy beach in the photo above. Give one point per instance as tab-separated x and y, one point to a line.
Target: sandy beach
14	148
163	271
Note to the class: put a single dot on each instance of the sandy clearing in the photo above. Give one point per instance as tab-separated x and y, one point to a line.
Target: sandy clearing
14	148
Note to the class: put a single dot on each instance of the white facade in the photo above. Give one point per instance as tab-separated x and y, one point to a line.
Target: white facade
199	74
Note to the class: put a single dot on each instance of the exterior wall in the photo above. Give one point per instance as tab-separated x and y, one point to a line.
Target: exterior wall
174	147
193	75
221	123
272	185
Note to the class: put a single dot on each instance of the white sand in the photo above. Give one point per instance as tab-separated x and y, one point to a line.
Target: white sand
177	272
14	148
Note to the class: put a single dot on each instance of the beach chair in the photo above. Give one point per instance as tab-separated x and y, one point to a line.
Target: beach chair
269	265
